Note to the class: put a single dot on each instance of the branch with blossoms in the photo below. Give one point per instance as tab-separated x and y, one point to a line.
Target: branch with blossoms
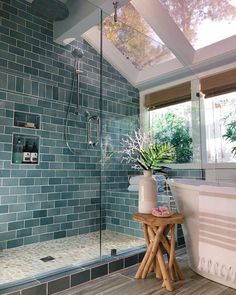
140	151
107	151
132	145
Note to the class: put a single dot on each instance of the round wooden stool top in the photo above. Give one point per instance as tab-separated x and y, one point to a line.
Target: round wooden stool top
176	218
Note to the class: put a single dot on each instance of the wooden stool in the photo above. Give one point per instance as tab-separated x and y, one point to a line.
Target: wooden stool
155	234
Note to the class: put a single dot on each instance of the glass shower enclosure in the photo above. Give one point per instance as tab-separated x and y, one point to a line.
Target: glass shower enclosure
73	207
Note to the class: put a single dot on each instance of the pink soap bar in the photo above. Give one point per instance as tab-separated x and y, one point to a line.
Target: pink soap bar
162	211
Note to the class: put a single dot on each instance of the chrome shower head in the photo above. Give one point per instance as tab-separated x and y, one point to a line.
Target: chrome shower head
77	52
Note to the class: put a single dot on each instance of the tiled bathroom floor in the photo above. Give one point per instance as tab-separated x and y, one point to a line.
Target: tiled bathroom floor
123	283
23	262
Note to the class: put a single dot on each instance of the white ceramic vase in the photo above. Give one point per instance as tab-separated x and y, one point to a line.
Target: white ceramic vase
147	193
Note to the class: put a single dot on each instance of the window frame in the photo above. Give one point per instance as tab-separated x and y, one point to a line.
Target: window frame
195	91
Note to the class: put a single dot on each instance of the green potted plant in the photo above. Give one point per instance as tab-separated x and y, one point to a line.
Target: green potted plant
140	151
153	157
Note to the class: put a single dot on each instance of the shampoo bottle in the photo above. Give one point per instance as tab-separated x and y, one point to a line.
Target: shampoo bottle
34	154
26	153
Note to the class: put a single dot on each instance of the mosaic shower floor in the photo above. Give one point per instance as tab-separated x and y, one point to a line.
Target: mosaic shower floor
23	262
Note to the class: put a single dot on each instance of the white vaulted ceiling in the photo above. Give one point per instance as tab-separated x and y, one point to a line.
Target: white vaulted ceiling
184	52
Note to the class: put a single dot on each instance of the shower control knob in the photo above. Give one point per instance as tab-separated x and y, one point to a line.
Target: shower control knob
78	71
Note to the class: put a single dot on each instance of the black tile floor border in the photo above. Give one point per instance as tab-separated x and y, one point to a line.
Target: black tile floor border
131	260
59	285
99	271
48	284
40	289
115	265
51	284
80	277
15	286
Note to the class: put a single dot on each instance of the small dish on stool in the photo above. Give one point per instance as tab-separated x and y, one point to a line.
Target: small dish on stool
162	211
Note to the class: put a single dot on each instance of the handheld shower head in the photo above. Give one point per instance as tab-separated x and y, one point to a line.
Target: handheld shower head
77	52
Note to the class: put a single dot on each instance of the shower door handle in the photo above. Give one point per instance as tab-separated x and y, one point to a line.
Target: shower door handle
89	130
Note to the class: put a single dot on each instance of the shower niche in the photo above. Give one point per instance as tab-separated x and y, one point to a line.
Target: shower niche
26	120
25	149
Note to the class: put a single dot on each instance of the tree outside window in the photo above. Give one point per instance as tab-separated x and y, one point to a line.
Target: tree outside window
220	124
173	124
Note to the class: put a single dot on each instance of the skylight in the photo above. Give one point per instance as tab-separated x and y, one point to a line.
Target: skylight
203	22
135	39
156	42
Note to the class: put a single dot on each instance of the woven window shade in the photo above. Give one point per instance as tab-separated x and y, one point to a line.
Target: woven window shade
170	96
219	84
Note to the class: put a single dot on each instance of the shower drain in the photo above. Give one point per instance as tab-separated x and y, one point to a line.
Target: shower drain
47	258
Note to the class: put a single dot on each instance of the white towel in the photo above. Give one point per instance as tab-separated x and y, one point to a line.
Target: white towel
134	180
217	221
133	188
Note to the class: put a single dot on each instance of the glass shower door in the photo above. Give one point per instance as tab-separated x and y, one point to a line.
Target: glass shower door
119	117
51	217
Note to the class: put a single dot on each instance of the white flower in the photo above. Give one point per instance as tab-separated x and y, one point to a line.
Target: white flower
132	145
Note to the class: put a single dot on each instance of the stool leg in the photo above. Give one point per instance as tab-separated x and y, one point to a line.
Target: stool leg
166	245
144	261
164	271
158	270
172	251
152	255
146	236
152	232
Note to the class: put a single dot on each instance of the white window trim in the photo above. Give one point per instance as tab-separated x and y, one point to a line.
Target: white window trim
195	87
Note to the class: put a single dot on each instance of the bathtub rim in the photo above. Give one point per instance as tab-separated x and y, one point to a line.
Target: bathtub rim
204	187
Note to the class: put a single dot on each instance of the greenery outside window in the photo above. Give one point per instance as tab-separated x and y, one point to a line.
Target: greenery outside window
173	124
220	125
176	114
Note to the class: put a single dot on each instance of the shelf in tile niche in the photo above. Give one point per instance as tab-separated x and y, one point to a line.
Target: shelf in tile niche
25	149
26	120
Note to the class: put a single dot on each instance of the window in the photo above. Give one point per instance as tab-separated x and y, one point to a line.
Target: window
220	124
135	39
200	20
173	124
179	124
176	124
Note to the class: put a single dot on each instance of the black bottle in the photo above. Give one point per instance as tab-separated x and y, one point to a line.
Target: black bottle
34	154
26	153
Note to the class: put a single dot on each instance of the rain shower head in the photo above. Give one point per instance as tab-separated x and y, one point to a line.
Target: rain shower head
54	10
77	52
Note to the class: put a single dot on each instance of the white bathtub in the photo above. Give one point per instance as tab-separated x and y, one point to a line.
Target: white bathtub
209	228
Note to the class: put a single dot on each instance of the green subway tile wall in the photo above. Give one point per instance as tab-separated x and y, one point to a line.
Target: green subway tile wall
187	173
61	195
120	206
